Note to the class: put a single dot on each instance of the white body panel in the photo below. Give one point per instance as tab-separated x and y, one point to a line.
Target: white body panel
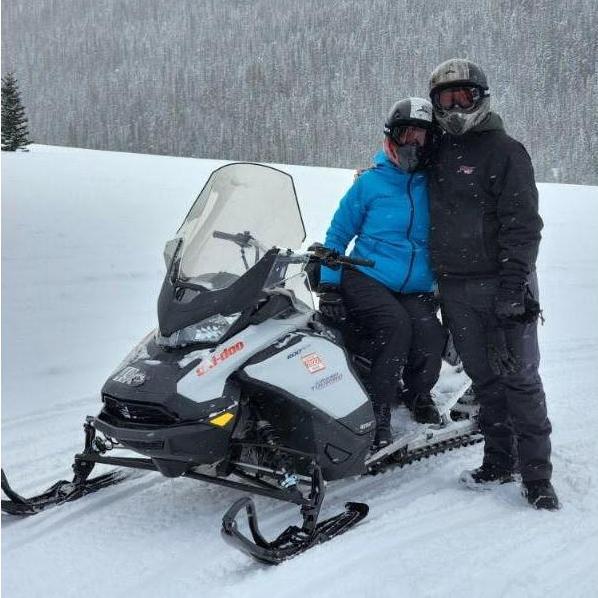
206	381
316	370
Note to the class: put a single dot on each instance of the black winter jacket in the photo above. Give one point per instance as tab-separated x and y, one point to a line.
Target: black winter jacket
484	206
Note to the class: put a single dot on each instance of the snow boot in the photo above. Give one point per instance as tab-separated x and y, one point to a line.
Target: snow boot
485	477
383	436
422	407
541	495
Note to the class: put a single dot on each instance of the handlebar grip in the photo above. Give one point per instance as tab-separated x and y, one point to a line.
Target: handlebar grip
220	235
356	261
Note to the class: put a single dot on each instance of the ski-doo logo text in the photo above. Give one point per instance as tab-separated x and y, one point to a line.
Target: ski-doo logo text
218	358
325	382
131	376
313	362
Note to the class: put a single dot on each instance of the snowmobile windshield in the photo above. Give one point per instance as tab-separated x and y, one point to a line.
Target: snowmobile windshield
243	211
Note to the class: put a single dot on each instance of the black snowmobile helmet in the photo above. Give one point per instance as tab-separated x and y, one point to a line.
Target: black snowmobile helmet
410	112
460	73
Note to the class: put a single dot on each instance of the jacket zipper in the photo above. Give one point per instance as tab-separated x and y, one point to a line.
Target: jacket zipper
411	219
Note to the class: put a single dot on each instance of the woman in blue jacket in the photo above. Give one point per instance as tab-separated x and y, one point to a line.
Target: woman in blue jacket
386	212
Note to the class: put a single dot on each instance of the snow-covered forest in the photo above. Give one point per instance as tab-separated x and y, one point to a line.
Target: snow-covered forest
297	82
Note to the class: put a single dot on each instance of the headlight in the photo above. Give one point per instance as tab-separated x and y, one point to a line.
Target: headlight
210	330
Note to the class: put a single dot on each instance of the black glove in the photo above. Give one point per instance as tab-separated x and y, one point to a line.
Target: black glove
510	303
331	302
501	359
517	305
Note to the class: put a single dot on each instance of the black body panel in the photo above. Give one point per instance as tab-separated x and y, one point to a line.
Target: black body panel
339	451
194	443
148	415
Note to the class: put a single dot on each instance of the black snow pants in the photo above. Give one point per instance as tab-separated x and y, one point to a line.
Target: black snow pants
513	414
405	334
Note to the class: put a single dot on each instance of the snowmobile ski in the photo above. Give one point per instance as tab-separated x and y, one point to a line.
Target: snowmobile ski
293	540
59	493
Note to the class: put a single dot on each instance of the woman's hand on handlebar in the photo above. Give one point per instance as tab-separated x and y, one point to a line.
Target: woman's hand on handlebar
332	258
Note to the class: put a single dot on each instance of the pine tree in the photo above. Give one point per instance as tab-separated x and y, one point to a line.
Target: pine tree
14	122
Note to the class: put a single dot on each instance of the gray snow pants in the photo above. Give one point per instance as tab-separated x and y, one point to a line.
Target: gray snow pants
513	414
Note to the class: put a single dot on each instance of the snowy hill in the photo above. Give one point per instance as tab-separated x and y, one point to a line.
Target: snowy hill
82	238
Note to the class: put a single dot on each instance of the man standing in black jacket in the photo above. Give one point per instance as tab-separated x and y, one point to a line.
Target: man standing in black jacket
484	238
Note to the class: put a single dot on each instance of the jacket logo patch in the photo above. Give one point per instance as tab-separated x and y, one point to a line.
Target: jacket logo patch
313	362
466	169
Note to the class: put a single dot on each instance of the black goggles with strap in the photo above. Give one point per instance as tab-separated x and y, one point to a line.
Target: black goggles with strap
410	135
464	97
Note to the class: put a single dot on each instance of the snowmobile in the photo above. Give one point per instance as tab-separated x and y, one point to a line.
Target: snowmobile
243	384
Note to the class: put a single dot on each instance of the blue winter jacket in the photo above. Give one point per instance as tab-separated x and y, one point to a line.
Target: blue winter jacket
387	210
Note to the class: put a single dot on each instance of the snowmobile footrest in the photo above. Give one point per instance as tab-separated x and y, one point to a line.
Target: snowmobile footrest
293	540
61	492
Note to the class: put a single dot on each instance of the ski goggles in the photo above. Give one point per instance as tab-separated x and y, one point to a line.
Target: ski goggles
464	97
410	135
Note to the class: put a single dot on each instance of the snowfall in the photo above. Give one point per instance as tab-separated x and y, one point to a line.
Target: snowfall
82	239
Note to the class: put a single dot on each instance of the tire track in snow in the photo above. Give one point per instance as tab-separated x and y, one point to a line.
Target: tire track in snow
48	521
51	413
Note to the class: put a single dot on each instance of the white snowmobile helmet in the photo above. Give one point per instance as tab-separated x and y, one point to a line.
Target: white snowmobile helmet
409	133
459	94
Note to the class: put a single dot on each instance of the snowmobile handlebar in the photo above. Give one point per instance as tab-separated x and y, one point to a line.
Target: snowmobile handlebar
355	261
316	252
333	259
244	239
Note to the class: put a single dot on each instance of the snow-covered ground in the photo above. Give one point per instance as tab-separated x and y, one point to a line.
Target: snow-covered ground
82	238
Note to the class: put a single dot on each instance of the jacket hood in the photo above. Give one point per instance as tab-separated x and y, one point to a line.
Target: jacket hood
493	122
381	159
